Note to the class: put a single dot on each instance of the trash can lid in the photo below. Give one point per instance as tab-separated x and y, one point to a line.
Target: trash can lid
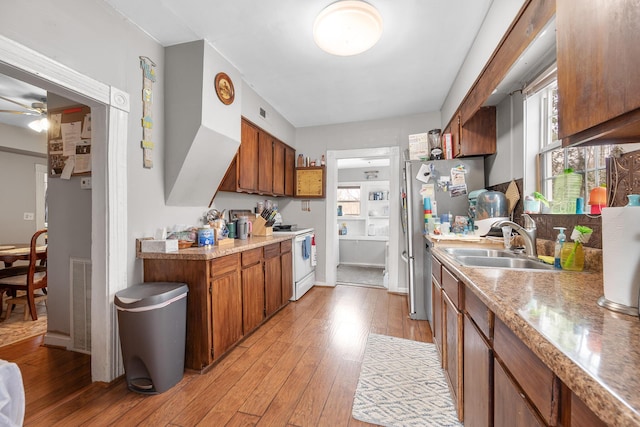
148	294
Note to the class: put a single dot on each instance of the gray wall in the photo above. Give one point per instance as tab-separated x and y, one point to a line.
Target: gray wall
17	195
508	162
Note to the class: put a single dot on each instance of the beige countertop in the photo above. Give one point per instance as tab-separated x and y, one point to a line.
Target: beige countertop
211	252
594	351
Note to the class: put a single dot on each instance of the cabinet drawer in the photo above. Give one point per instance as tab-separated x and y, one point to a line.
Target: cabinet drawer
251	257
478	312
533	376
272	251
436	269
451	286
285	246
225	265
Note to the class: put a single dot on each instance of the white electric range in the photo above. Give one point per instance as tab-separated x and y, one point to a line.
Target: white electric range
304	263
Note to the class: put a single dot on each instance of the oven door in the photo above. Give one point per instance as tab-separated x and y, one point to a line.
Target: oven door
302	267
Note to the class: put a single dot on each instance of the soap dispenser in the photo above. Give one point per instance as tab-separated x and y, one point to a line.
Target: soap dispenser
558	249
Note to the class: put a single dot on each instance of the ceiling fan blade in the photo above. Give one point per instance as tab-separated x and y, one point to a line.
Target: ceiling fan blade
26	107
26	113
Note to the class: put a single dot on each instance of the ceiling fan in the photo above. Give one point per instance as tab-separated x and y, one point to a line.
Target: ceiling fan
35	109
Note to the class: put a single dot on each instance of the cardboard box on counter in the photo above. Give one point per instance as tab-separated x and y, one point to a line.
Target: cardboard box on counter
163	246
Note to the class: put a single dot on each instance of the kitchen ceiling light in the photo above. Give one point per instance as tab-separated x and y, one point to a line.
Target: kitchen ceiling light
39	124
347	27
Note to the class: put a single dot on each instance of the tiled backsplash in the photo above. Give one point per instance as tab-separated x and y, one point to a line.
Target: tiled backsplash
623	177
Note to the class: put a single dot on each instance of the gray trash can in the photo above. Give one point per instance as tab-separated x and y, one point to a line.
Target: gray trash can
152	318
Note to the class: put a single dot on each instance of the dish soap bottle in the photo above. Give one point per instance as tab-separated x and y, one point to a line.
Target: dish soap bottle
558	249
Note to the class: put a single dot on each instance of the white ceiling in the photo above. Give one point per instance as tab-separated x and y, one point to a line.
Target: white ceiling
409	71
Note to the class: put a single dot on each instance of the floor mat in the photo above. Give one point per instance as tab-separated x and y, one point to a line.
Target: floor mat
16	329
401	384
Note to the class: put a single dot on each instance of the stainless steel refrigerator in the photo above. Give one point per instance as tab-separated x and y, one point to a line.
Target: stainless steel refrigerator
417	253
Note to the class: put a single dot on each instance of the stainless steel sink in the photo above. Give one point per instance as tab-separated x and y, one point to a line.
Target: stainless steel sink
503	262
493	253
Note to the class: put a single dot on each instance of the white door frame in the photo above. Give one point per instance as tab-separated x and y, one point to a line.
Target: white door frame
331	254
110	110
41	199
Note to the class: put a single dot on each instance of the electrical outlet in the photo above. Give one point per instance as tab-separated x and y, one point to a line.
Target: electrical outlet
85	183
29	216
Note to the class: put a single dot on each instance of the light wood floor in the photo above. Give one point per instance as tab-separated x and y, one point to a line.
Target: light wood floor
300	368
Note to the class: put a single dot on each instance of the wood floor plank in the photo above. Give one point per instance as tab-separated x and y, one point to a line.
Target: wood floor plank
300	368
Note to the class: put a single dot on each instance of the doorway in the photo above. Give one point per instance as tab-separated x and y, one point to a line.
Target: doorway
363	217
110	108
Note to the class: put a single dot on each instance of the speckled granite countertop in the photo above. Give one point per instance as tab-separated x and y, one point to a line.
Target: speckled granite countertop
210	252
594	351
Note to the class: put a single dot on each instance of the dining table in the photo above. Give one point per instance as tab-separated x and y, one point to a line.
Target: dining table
10	253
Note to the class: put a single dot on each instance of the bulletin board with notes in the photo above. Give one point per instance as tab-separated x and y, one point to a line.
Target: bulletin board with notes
69	141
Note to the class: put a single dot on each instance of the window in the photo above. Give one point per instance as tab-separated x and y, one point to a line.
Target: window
589	162
349	199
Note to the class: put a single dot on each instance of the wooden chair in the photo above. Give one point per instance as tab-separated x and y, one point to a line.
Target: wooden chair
33	279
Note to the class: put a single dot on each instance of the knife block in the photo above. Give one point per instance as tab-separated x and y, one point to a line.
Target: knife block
260	228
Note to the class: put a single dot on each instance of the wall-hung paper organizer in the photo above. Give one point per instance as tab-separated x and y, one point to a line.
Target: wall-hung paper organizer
69	141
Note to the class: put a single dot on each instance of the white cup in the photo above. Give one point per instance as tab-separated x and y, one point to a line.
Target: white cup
506	235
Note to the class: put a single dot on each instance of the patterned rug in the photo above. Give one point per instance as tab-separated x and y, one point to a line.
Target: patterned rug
16	329
401	384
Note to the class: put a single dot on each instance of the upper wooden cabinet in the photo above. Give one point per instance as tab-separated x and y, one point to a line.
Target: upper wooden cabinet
263	164
598	62
477	136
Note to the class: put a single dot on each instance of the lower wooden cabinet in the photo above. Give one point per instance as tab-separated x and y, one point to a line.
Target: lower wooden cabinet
286	267
226	304
478	381
436	310
453	351
581	415
252	290
272	279
511	408
228	296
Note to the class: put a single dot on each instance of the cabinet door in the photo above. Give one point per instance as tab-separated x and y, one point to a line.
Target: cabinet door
265	163
598	51
226	312
581	415
289	171
453	351
278	167
272	279
436	323
454	130
478	134
252	297
511	408
286	265
478	370
247	159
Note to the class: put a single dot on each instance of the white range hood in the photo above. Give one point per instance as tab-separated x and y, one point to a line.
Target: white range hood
202	134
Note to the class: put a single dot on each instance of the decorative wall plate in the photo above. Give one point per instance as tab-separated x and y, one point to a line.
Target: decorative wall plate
224	88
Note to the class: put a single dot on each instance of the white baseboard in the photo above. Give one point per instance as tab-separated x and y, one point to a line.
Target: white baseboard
54	339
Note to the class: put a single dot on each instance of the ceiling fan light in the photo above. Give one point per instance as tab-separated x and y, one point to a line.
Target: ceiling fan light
39	125
347	27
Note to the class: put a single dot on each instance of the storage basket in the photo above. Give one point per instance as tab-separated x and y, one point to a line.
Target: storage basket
566	190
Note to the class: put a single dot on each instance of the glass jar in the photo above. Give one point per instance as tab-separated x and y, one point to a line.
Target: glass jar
634	200
572	256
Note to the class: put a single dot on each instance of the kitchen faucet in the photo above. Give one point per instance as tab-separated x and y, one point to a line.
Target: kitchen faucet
528	233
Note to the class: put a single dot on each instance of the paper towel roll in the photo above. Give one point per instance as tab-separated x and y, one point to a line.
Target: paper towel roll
621	254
